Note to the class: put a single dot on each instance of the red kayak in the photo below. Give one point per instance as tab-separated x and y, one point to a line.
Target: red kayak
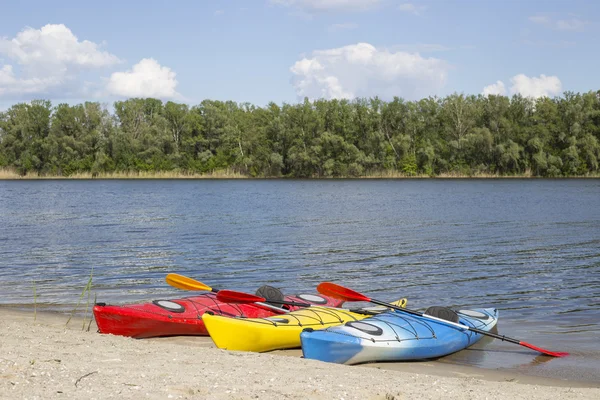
179	317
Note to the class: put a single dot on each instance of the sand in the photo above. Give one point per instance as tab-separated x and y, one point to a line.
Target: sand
44	359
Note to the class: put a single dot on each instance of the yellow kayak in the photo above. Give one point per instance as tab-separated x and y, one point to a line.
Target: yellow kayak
280	331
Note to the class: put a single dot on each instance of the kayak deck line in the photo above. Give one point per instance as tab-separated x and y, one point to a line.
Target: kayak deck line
394	336
276	332
161	317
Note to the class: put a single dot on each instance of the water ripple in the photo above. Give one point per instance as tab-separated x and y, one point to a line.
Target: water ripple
529	248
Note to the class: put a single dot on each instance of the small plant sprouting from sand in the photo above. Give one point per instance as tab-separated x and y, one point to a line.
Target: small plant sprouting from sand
91	319
34	301
87	289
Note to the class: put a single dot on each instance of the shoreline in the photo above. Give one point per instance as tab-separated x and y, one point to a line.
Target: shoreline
247	178
47	359
9	175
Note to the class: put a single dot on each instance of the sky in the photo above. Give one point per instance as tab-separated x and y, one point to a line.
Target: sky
281	51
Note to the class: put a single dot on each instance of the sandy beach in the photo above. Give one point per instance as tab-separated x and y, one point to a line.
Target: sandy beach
46	359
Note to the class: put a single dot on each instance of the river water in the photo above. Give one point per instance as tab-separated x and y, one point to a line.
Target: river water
530	248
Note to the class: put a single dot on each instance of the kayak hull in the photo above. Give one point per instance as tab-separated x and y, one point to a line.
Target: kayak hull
395	336
276	332
181	317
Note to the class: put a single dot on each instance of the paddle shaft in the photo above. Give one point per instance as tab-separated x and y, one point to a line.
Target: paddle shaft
187	283
460	326
342	293
291	303
269	306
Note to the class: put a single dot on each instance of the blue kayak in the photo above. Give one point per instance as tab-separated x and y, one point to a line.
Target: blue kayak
396	336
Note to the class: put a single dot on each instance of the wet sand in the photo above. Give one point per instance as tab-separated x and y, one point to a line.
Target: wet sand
46	359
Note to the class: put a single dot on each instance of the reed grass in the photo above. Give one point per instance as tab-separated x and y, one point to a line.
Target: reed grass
34	301
10	174
390	174
91	319
87	289
6	173
87	305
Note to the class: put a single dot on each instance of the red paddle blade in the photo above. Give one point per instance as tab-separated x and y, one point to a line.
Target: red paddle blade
340	292
544	351
230	296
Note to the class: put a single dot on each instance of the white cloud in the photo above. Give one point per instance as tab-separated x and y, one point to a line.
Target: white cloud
329	5
146	79
535	87
342	27
497	88
53	48
49	59
570	24
540	19
361	70
542	86
411	8
11	85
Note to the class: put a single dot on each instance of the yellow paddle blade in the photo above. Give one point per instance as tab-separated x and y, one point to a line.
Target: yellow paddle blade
185	283
400	303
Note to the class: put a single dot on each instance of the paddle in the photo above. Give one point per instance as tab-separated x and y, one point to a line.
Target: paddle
186	283
230	296
342	293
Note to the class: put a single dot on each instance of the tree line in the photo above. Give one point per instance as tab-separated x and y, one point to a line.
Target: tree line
459	134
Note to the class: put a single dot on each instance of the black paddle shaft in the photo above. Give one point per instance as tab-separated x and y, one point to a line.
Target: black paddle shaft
289	303
294	303
420	314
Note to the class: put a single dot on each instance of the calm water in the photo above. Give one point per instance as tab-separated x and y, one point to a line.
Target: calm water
531	248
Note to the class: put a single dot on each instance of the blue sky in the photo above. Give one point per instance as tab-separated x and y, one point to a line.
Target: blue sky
283	50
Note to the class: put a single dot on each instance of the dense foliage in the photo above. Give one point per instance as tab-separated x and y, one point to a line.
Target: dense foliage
459	134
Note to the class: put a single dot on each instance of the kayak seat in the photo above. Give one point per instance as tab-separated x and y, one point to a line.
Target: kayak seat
272	295
442	313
